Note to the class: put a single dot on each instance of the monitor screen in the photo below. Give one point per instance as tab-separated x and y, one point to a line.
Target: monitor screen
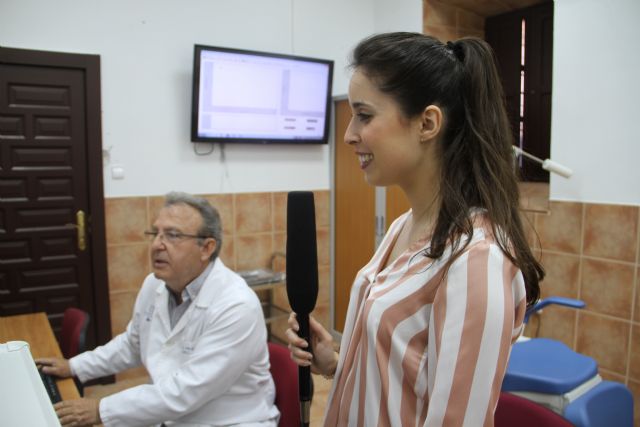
256	97
23	399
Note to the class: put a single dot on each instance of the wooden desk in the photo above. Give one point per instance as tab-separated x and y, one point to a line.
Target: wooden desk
36	330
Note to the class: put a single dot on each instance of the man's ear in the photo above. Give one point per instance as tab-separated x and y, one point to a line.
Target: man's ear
208	248
431	123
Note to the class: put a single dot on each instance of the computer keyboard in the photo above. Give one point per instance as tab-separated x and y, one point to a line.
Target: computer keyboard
50	385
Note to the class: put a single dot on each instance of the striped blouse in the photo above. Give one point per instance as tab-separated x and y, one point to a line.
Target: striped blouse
422	350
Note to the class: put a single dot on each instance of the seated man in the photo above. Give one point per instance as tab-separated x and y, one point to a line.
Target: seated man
197	328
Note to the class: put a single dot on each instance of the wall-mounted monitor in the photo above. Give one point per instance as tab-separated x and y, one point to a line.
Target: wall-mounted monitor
242	96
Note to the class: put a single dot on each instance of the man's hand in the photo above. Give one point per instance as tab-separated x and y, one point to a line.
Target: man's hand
54	366
78	412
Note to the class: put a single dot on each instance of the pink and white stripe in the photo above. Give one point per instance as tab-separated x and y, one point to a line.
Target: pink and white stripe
420	349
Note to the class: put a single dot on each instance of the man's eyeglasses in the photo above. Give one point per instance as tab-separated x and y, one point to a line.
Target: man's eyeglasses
171	236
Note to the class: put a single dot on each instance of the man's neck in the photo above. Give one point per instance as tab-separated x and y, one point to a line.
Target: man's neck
177	296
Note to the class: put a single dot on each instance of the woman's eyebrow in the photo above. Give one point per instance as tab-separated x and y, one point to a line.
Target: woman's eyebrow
359	104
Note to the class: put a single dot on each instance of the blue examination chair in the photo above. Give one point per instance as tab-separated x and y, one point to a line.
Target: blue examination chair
551	374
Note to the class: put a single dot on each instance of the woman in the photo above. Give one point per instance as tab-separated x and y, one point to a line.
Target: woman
432	316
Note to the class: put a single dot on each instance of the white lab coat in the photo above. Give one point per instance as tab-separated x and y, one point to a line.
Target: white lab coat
212	369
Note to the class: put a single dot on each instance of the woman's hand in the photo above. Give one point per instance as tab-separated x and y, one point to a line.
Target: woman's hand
324	359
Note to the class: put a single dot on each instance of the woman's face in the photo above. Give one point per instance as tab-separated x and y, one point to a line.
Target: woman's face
386	142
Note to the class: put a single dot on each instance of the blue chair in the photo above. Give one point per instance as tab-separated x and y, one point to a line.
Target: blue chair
551	374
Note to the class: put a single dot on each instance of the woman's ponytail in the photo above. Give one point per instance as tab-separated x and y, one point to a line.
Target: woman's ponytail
477	167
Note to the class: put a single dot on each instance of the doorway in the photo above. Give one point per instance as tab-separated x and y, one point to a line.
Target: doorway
52	233
356	221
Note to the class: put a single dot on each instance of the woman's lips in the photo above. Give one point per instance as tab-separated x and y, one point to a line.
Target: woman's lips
365	159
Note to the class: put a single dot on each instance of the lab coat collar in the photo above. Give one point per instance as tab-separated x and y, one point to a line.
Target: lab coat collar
212	285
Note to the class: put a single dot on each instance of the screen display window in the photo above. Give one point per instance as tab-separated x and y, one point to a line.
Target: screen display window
256	97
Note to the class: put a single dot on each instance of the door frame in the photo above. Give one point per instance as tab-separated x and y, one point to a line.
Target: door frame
90	66
353	217
360	213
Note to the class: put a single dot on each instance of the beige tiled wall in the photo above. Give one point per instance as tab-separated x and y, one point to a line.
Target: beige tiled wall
589	251
254	227
592	252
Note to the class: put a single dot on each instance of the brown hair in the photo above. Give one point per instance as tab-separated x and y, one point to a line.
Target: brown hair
477	161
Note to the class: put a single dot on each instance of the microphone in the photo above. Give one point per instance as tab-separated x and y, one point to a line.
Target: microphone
547	164
302	279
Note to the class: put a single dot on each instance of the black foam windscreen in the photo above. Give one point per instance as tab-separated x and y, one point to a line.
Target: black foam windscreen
302	280
302	253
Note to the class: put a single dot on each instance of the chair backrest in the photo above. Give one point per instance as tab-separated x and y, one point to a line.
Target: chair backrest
285	376
514	410
74	332
608	404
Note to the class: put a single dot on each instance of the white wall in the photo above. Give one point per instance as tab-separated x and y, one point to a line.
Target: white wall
397	16
596	100
146	50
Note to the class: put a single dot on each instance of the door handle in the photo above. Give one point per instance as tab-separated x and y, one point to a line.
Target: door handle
81	229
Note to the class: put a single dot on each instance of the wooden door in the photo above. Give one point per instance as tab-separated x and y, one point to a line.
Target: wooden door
505	35
539	57
51	182
396	204
354	217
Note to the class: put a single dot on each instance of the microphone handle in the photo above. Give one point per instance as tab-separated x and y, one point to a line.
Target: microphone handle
304	373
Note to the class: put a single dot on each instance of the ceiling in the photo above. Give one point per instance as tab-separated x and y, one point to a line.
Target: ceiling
491	7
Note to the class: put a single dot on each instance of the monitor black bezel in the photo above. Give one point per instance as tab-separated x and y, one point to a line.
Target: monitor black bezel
195	99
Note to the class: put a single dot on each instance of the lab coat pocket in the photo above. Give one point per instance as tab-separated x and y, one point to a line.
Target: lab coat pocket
187	346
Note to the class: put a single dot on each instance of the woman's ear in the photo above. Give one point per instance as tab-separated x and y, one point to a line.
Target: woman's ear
431	123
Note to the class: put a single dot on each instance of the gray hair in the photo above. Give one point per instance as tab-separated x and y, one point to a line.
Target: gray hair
211	223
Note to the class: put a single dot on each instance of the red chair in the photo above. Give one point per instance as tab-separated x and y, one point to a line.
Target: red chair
74	332
285	376
516	411
73	336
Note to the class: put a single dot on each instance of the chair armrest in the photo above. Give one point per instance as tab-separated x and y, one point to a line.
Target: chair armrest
567	302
